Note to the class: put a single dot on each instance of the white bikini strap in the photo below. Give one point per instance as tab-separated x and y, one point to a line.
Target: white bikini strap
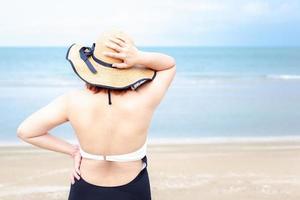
139	154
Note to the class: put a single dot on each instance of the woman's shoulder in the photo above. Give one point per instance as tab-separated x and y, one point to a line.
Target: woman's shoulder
74	94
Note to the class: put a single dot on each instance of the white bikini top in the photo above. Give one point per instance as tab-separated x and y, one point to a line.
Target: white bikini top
136	155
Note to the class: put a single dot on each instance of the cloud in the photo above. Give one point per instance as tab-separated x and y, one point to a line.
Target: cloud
256	8
168	22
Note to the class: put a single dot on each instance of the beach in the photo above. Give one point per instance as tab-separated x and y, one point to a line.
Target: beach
261	170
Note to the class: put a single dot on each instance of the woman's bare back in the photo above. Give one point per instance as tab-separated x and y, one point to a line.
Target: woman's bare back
119	128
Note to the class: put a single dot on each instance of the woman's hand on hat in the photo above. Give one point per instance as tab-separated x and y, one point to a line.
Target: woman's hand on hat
126	51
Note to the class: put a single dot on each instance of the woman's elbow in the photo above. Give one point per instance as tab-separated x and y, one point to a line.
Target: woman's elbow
20	132
23	132
172	62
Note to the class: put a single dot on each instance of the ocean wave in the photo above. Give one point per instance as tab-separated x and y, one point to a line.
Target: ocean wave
189	78
283	76
49	82
216	140
195	77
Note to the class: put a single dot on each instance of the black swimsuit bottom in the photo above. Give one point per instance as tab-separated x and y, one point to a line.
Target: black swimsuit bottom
136	189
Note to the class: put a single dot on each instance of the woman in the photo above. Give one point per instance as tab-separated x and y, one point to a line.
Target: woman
110	161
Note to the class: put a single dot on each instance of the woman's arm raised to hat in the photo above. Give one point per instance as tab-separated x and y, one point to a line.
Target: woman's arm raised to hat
165	68
163	64
154	60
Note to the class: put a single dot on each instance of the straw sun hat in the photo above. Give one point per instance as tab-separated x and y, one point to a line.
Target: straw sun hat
93	67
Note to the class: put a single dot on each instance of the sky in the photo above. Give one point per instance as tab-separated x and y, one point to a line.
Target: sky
152	22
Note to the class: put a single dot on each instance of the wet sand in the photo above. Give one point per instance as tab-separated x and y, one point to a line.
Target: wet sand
245	170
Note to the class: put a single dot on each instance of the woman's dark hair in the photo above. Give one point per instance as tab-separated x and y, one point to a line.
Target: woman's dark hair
97	89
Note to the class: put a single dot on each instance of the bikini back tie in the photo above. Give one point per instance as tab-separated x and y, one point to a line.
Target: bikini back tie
109	97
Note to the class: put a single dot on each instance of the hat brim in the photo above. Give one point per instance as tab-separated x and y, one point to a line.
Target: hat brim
107	77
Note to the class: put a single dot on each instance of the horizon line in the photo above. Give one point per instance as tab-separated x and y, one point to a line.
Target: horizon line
161	46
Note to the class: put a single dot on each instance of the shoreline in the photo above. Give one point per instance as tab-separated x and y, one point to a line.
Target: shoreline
190	140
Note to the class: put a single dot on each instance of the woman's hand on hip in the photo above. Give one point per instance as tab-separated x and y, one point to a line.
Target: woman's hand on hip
76	163
126	51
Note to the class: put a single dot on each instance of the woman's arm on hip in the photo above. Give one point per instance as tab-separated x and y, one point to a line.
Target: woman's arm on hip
35	128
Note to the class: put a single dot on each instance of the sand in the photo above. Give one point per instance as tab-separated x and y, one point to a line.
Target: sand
240	170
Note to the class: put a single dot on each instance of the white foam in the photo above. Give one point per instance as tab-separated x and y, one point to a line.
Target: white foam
283	76
211	140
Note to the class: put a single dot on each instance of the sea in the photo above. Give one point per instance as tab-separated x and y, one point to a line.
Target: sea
218	94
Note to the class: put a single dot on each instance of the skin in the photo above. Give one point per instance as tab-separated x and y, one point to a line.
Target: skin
101	128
